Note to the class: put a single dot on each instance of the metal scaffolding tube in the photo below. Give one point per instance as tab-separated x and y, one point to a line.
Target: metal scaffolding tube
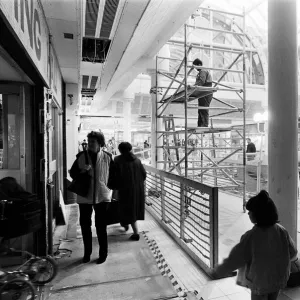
216	30
212	108
171	98
244	114
185	103
222	47
177	72
218	11
223	102
217	69
230	66
199	148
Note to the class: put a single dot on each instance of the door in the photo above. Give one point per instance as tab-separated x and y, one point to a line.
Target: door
12	132
50	176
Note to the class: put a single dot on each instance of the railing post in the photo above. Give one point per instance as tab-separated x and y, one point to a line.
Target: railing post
182	211
162	197
214	227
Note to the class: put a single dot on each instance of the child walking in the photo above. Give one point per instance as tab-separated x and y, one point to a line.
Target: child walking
264	254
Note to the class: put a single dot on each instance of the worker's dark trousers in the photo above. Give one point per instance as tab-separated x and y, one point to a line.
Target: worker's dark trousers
203	115
85	221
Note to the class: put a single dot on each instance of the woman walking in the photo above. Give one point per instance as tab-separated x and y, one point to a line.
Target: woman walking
98	196
128	178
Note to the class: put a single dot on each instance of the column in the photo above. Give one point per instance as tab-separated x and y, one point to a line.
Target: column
158	81
72	123
283	110
128	97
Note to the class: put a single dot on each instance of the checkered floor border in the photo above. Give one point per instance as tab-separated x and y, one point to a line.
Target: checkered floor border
166	270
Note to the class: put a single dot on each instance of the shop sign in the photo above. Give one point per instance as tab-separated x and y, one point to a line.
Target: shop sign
27	19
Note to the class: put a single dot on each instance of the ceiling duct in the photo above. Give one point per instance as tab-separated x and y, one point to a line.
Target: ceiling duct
95	50
109	14
91	14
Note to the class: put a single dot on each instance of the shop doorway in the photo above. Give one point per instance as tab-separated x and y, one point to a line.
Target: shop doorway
12	132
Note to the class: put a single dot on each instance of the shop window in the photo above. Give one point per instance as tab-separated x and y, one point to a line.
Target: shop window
9	132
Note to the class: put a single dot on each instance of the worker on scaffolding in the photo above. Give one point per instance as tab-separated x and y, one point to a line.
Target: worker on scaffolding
203	79
251	150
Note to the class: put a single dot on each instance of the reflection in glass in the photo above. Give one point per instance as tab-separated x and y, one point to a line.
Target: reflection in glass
9	132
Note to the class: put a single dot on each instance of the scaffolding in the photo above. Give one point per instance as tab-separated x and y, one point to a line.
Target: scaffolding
205	154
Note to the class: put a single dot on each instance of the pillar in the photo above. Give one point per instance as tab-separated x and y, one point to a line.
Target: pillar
72	123
128	97
283	110
157	81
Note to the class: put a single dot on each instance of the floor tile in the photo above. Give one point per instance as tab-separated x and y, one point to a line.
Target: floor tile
228	286
284	297
240	296
211	291
293	294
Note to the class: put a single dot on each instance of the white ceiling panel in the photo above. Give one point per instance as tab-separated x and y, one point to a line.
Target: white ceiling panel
64	16
67	49
60	9
70	75
88	68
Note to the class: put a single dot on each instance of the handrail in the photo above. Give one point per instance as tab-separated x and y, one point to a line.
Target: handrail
188	211
192	183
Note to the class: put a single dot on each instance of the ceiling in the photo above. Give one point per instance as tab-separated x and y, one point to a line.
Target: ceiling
64	16
137	29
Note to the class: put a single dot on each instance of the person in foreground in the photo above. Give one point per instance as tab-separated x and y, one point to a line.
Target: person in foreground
128	179
98	197
264	254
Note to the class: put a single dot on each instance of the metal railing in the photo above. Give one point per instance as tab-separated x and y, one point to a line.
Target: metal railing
188	211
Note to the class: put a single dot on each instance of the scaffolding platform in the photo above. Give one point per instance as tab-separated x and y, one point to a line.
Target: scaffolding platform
193	92
198	130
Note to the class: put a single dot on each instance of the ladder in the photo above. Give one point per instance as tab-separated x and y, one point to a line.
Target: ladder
170	126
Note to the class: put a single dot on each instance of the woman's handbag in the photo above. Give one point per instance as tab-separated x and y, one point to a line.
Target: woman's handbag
81	184
112	215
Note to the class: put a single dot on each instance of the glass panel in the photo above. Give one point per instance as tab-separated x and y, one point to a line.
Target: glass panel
54	133
9	132
1	132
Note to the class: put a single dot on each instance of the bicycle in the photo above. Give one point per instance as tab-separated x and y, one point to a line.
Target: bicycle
18	284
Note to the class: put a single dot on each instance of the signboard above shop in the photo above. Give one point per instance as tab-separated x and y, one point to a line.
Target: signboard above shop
29	24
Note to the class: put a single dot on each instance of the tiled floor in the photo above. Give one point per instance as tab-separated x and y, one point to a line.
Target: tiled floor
232	224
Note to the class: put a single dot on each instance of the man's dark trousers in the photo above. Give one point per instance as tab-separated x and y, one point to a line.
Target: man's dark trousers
203	115
85	221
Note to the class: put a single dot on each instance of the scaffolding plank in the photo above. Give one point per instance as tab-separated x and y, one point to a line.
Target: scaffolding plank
193	92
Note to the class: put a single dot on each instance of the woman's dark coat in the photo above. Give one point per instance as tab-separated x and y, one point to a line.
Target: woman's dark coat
128	178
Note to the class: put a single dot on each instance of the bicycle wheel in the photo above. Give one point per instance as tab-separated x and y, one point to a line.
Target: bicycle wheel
45	269
17	289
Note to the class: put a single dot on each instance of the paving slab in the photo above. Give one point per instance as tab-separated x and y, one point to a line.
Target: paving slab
130	272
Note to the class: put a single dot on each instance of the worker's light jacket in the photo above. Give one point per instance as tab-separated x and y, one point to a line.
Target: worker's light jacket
263	258
98	191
